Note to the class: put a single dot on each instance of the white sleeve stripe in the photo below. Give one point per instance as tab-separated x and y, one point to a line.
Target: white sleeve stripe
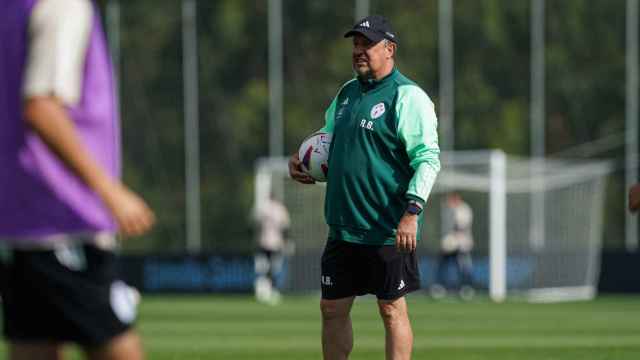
59	33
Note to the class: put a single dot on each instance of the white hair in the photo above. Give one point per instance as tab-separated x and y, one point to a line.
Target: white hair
386	42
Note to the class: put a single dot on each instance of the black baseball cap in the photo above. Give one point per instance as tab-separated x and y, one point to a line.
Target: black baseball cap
374	28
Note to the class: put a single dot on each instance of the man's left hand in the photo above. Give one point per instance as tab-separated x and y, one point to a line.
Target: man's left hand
406	233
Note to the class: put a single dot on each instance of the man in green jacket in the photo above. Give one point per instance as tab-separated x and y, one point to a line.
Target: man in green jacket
383	163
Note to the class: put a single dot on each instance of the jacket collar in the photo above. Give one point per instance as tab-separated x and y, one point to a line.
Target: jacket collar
370	84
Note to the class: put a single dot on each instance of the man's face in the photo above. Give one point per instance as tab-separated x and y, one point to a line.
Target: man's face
369	58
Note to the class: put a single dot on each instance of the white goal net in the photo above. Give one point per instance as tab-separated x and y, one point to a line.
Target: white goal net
537	225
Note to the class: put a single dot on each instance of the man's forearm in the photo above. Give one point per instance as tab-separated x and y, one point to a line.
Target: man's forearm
423	180
48	118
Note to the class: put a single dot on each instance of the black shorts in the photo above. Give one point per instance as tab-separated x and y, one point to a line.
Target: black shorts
350	269
65	295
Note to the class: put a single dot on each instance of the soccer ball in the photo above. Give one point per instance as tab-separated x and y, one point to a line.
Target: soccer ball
314	154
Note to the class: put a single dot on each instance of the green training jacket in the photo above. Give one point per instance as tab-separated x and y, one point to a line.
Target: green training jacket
384	152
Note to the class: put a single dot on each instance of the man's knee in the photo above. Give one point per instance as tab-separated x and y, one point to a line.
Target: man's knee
392	310
334	309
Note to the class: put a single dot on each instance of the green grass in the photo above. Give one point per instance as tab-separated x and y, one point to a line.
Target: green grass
237	328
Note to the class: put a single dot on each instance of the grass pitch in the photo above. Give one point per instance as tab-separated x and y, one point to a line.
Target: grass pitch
234	327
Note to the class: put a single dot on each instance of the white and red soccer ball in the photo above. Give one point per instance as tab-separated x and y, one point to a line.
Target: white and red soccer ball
314	154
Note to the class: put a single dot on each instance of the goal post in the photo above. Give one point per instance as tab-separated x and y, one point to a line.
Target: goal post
492	179
500	189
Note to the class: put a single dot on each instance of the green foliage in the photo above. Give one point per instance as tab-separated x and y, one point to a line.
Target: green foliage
584	82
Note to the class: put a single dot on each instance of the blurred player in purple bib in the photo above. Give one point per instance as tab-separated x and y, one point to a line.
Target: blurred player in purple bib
61	200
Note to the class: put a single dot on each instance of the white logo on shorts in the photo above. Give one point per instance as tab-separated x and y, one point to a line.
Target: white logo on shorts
401	285
326	280
124	301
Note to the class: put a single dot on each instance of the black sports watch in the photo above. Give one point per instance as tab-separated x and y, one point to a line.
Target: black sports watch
414	208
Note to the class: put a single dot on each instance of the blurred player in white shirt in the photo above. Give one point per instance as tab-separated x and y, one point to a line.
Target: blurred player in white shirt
456	246
273	222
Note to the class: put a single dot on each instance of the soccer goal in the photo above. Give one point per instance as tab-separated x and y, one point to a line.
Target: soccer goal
537	224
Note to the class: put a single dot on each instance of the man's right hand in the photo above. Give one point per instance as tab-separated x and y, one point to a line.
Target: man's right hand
295	170
133	215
